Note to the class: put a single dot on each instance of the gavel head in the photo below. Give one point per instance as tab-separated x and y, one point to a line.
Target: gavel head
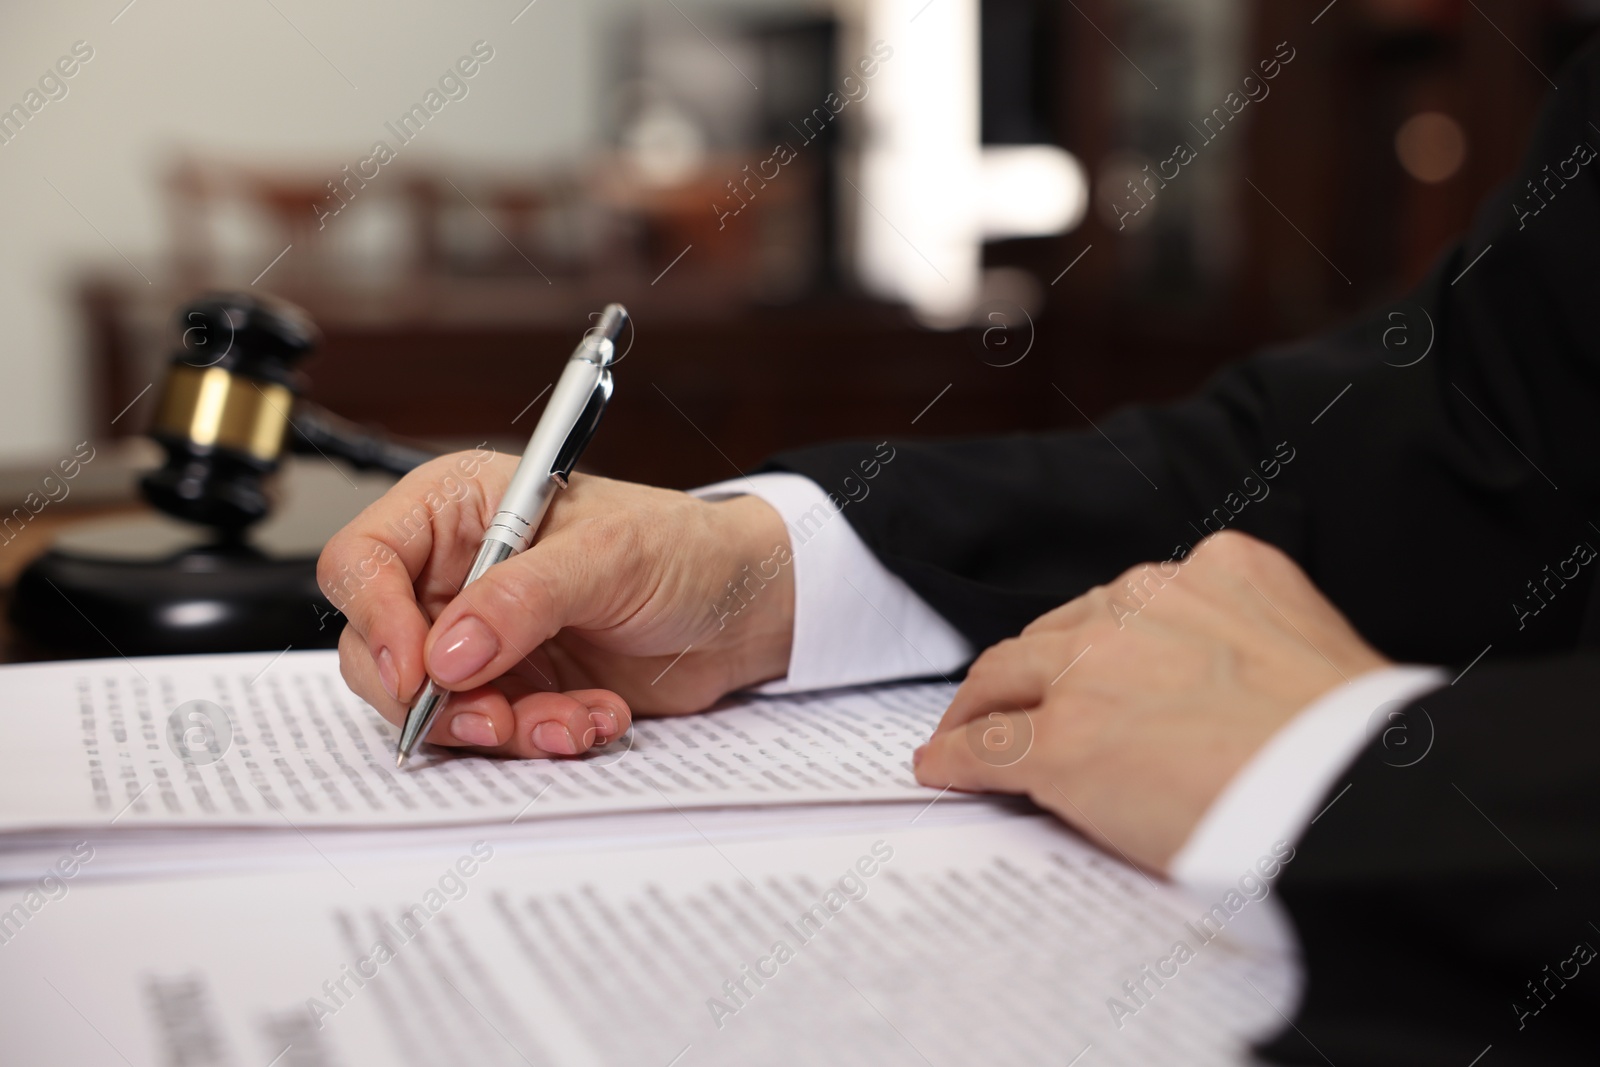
223	416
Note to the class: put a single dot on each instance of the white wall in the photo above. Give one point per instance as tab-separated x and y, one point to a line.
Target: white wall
236	79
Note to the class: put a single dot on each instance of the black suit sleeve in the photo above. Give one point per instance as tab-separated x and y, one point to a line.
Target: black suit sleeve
1451	434
1447	902
1445	494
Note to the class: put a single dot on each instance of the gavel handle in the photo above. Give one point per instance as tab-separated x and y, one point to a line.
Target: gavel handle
316	429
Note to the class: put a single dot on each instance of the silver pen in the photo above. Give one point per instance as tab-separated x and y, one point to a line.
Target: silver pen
568	423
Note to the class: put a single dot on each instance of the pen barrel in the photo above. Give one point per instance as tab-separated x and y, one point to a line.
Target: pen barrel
564	428
489	553
420	718
526	498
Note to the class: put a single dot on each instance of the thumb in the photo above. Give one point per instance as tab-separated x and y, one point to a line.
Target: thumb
519	604
992	753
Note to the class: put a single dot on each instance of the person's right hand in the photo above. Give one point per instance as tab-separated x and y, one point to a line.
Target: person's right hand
622	605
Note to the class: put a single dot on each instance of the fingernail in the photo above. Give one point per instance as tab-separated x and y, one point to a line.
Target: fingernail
916	755
470	728
553	737
463	651
604	721
388	673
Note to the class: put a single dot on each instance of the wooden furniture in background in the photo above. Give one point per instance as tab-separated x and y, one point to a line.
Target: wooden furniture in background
1328	223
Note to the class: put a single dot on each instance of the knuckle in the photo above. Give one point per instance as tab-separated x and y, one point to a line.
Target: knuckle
1060	618
991	663
424	471
325	562
1141	578
1230	547
1043	622
1239	553
348	568
1268	557
1129	576
331	560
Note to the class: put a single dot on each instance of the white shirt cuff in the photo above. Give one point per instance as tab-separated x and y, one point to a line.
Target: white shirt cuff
855	622
1278	793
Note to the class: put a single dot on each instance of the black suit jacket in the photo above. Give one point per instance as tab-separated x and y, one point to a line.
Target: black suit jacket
1435	467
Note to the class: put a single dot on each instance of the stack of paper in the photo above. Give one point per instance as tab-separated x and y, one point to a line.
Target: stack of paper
219	755
212	860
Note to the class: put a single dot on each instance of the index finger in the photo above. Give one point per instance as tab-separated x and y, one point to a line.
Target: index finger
1013	675
369	569
969	761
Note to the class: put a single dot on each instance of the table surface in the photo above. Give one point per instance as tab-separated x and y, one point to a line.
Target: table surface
36	538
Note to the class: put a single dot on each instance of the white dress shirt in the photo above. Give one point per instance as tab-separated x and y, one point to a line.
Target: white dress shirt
855	622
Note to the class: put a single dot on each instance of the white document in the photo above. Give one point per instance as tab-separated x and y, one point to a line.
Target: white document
277	740
1010	942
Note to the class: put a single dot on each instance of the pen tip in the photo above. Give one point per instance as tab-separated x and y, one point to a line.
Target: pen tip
400	760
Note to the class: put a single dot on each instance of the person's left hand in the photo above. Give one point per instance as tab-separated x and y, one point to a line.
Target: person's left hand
1126	714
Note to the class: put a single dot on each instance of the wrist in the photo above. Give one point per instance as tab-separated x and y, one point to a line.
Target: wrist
752	607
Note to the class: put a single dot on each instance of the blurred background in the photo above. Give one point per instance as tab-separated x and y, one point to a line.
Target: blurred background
857	217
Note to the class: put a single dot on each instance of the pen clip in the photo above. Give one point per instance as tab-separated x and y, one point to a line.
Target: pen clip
582	431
